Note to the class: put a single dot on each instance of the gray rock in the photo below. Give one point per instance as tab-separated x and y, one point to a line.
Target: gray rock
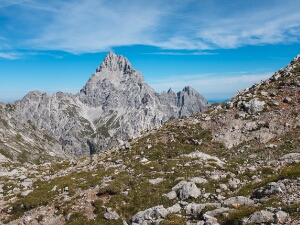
174	209
152	215
22	177
156	180
196	223
287	100
272	189
262	216
281	217
189	190
290	156
210	220
194	209
238	201
198	180
254	106
25	193
218	211
223	186
172	195
111	215
179	185
234	182
26	184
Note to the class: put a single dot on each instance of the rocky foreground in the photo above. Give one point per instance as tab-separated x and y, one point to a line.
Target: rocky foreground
172	175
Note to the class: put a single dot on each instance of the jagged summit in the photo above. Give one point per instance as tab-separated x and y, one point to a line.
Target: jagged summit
113	62
116	103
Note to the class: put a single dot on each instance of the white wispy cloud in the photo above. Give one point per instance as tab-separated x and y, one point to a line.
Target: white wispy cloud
81	26
10	55
182	53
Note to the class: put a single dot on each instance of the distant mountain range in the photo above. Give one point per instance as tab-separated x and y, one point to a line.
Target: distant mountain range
116	104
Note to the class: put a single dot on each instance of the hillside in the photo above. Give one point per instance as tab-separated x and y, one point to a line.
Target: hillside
180	173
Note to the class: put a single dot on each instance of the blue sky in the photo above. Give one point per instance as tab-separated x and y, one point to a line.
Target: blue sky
217	46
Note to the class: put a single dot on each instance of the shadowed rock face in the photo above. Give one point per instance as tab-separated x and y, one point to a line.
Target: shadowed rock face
115	104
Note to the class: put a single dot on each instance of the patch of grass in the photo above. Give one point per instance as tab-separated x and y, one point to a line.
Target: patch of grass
172	219
234	217
77	218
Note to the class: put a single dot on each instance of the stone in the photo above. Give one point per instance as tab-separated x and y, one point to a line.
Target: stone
22	177
217	211
198	180
174	209
25	193
234	182
261	216
290	156
179	185
272	189
27	183
172	195
287	100
238	201
254	106
189	190
210	220
281	217
194	209
111	215
204	156
151	215
156	180
223	186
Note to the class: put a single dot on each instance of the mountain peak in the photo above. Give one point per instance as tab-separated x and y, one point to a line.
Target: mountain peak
115	62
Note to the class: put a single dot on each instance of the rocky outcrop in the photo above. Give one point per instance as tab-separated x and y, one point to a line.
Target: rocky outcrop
115	104
23	142
261	112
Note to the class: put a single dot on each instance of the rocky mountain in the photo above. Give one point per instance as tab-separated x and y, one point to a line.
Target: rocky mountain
23	142
235	163
116	104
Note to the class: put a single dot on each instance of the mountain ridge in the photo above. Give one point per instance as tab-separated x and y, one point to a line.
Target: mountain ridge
114	105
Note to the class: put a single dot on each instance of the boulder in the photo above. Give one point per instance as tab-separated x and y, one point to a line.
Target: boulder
238	201
174	209
151	215
111	215
194	209
198	180
287	100
261	216
272	189
254	106
189	190
171	195
25	193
